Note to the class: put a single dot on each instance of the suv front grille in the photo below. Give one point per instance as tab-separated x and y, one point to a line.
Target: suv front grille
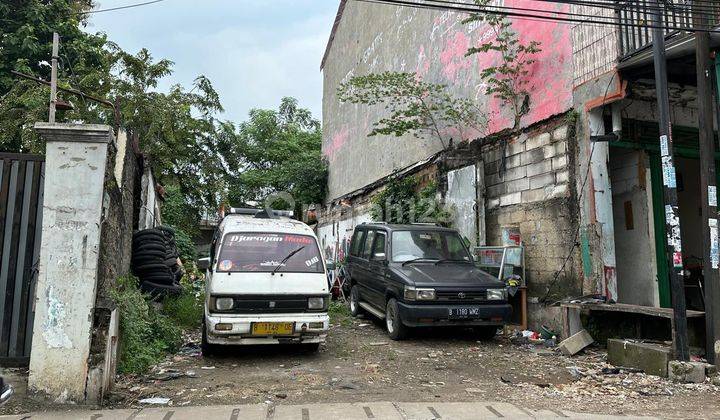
460	296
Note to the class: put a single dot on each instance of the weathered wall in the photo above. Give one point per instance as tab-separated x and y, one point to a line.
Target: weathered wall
634	229
432	44
75	165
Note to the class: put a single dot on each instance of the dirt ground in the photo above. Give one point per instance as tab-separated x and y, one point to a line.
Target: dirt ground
359	363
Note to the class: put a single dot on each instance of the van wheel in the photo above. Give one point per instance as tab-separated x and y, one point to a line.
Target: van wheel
207	349
396	329
355	308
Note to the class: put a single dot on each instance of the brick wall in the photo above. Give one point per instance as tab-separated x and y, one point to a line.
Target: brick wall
535	193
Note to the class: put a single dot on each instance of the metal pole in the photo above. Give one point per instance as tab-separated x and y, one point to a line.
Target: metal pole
708	188
53	76
672	220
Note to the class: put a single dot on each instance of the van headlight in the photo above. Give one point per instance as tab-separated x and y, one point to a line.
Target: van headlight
496	294
224	304
316	303
412	293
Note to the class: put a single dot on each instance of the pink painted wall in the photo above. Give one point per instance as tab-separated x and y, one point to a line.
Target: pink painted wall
373	38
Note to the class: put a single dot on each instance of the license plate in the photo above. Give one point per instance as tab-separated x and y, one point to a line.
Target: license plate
464	312
272	328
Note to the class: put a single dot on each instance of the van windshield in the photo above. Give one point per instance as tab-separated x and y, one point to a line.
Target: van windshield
265	252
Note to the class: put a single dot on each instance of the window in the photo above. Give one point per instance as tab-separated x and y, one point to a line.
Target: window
265	252
379	245
432	245
368	244
356	242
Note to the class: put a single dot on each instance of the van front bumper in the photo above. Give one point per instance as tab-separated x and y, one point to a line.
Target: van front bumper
429	315
241	334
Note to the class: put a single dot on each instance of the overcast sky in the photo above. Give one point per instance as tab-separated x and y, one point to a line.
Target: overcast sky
254	51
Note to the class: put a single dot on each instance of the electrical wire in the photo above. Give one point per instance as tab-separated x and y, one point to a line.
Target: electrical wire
112	9
531	14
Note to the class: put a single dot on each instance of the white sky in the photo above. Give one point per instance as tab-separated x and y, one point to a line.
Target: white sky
254	51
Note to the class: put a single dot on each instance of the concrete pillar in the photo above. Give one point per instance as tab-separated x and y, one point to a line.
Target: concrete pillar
602	195
72	213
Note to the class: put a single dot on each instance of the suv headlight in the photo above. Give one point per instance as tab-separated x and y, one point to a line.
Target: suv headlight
412	293
224	303
316	303
496	294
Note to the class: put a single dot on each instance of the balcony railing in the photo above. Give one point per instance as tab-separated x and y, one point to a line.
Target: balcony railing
678	14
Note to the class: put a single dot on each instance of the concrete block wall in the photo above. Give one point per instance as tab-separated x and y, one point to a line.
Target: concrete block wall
536	168
535	193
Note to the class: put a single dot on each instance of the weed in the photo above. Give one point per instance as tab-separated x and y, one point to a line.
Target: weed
339	313
186	310
146	335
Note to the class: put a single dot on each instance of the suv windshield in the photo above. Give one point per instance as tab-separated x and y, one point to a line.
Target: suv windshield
433	245
265	252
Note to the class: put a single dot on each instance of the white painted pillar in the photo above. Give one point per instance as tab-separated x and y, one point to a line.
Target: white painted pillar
68	270
602	194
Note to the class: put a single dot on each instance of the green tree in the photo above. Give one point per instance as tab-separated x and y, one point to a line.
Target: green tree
508	79
277	151
414	106
26	28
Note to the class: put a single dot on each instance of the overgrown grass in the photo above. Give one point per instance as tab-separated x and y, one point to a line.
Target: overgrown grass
339	313
186	310
146	334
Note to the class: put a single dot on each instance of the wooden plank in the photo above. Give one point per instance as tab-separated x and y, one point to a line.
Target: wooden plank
29	267
6	239
637	309
22	157
35	261
18	315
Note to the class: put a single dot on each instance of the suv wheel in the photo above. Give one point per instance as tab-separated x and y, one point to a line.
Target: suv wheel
355	309
396	329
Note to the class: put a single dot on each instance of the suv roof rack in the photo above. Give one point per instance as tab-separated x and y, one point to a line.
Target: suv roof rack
374	223
427	224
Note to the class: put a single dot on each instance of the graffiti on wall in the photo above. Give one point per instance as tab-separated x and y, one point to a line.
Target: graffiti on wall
433	45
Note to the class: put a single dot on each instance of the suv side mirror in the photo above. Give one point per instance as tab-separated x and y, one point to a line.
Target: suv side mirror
203	263
380	256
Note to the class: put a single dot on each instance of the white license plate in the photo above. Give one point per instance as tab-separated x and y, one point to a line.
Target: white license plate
464	312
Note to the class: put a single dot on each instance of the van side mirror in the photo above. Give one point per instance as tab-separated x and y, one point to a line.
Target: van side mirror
380	256
203	263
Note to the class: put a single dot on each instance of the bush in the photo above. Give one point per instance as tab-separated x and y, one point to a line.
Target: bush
146	335
185	247
187	309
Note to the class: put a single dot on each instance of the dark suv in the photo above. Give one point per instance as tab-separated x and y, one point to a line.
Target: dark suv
422	275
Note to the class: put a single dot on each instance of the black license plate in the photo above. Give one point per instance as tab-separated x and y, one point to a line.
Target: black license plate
464	312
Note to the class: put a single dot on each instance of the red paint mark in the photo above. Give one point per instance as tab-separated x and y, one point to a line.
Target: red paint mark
337	141
453	58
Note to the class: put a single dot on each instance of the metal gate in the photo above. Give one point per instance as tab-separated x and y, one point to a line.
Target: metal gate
21	196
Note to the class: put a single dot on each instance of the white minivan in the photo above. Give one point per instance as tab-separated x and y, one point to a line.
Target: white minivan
266	283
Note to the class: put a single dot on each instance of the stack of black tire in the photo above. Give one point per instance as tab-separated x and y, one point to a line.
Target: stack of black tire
155	261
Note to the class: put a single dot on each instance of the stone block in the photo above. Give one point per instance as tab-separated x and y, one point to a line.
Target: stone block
517	185
562	176
537	141
575	343
533	156
559	191
496	190
549	151
542	180
531	196
513	161
510	199
686	372
492	203
651	358
560	133
559	162
515	147
512	174
539	168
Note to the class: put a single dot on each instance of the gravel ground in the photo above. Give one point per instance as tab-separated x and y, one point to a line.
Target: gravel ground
359	363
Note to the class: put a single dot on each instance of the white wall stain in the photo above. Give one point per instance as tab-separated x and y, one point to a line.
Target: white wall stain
53	331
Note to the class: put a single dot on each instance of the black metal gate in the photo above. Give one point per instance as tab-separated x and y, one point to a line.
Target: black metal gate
21	196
